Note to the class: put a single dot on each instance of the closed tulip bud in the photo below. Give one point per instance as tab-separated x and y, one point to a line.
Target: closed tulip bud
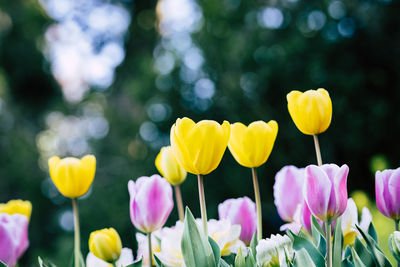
240	211
387	190
150	202
394	244
325	190
105	244
169	167
252	145
288	191
13	237
72	177
311	111
17	206
199	147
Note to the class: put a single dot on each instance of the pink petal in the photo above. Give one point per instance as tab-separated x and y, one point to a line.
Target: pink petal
394	192
317	190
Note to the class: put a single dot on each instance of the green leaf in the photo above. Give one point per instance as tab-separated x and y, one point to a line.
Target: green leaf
337	244
157	261
372	246
253	245
363	253
391	249
223	263
136	264
302	259
318	236
215	249
2	264
356	259
303	243
196	249
372	232
240	260
250	259
316	228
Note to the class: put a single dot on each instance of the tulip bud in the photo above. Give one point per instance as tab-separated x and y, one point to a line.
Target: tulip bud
150	202
288	191
394	244
17	207
105	244
169	167
13	237
240	211
252	145
387	190
311	111
72	177
199	147
325	190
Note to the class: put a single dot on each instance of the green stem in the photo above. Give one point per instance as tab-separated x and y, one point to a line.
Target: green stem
150	249
396	225
202	199
258	203
77	233
328	233
179	202
317	150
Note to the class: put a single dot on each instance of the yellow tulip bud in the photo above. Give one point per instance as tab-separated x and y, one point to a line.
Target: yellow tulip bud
17	207
252	145
311	111
199	147
169	167
105	244
73	177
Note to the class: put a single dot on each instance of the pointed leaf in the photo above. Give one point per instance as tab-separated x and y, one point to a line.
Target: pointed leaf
250	259
240	260
136	264
372	232
363	253
196	249
372	246
303	243
158	262
356	259
253	245
4	265
215	249
223	263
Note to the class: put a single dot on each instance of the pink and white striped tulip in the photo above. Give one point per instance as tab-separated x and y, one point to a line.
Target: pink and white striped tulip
325	190
151	202
288	191
387	190
240	211
13	237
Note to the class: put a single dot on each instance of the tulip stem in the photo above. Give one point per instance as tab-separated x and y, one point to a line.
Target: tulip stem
396	225
328	232
258	203
179	203
77	233
317	150
202	199
150	249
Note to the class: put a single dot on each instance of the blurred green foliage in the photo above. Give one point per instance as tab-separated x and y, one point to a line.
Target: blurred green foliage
354	57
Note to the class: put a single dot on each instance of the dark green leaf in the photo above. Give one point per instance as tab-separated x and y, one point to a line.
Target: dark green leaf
372	232
223	263
356	259
4	265
196	249
363	253
157	261
215	249
372	246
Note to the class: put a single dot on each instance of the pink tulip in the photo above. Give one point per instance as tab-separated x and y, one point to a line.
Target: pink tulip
151	202
240	211
325	190
387	190
13	237
288	191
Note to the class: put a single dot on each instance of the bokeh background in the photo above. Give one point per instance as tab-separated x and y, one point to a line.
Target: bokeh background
111	77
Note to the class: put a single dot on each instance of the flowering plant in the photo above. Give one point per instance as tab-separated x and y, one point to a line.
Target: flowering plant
322	226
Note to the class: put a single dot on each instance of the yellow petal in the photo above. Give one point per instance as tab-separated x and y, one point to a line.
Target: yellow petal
17	206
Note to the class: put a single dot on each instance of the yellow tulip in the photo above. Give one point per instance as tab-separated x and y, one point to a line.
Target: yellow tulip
311	111
199	147
17	207
73	177
252	145
169	167
105	244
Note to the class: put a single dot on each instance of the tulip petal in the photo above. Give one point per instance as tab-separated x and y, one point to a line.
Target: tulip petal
394	192
317	190
383	199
